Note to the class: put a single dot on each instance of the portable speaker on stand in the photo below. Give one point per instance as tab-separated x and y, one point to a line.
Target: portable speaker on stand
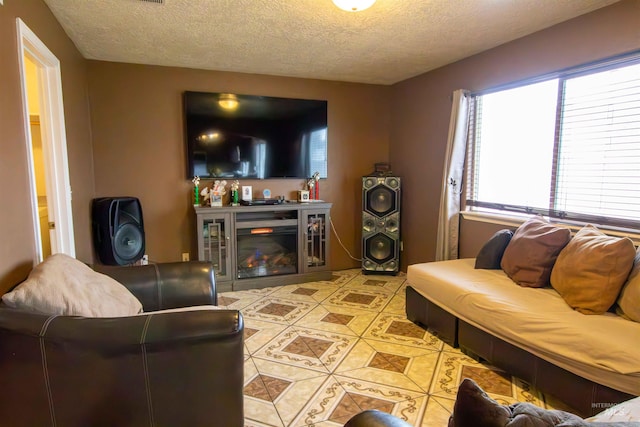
118	230
380	223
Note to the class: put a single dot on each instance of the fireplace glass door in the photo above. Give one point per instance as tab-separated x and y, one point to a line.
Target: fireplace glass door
214	244
267	251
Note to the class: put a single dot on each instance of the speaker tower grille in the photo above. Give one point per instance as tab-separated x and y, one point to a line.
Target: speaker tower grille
380	224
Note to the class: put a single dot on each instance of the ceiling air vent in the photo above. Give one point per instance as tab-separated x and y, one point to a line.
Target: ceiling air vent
153	1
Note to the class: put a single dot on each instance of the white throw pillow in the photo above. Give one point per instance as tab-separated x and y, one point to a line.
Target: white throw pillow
63	285
625	411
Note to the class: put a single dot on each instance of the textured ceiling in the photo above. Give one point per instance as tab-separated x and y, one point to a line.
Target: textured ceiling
390	42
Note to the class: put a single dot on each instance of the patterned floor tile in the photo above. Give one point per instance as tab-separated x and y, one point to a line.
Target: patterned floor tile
278	310
403	288
387	283
342	277
317	353
397	305
397	329
299	382
258	332
338	319
410	368
437	413
252	423
308	348
359	298
237	300
258	408
311	291
453	367
263	292
340	398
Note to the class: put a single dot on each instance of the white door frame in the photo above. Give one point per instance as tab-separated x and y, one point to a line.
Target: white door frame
54	142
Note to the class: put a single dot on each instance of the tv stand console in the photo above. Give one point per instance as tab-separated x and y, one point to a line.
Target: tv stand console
265	245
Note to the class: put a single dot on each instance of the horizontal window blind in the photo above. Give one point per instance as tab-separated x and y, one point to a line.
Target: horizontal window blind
318	152
599	153
587	164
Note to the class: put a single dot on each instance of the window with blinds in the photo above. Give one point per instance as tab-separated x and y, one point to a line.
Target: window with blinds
318	152
566	146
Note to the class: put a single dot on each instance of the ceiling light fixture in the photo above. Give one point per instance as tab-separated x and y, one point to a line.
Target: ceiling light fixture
228	101
354	5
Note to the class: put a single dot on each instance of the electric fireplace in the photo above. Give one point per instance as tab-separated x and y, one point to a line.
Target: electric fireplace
267	251
261	246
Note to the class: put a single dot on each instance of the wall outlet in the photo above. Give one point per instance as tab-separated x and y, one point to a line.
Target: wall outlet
185	256
144	260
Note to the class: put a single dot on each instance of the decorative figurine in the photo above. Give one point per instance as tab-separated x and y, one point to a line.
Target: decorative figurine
206	196
196	193
316	178
313	185
310	184
235	185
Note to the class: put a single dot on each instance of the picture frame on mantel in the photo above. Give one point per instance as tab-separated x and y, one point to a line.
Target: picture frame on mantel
247	193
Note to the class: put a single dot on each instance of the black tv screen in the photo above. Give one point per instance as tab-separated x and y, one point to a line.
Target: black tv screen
254	137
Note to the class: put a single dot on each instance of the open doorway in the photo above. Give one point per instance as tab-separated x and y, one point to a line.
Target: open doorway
39	166
46	146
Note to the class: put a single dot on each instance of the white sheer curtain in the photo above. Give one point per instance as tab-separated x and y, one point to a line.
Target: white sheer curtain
448	220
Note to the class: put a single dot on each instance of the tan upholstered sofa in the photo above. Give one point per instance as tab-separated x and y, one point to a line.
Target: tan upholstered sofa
539	334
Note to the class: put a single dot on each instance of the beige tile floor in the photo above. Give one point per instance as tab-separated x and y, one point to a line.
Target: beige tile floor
318	353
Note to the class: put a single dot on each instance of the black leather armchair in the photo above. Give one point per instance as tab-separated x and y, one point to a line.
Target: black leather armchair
155	369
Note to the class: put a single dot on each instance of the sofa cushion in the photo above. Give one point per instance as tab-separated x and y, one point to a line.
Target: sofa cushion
629	299
591	270
532	252
491	253
65	286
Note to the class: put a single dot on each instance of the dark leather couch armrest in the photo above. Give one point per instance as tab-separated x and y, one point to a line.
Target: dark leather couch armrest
118	334
175	368
153	328
374	418
167	285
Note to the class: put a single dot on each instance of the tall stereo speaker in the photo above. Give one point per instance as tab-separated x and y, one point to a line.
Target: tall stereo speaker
118	230
380	224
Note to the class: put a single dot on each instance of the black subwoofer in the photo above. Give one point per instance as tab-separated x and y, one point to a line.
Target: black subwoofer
118	230
380	224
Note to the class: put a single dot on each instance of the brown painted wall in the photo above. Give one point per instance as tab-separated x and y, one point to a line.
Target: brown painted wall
136	125
139	147
422	106
16	229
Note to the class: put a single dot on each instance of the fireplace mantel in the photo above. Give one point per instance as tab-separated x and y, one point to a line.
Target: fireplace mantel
266	245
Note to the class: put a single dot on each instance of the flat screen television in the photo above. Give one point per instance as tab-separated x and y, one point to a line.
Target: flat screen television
254	137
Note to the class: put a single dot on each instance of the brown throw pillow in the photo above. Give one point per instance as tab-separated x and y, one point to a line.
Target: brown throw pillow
629	299
475	408
491	253
591	270
532	251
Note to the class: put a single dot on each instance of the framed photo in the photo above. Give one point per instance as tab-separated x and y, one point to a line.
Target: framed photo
303	195
247	193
